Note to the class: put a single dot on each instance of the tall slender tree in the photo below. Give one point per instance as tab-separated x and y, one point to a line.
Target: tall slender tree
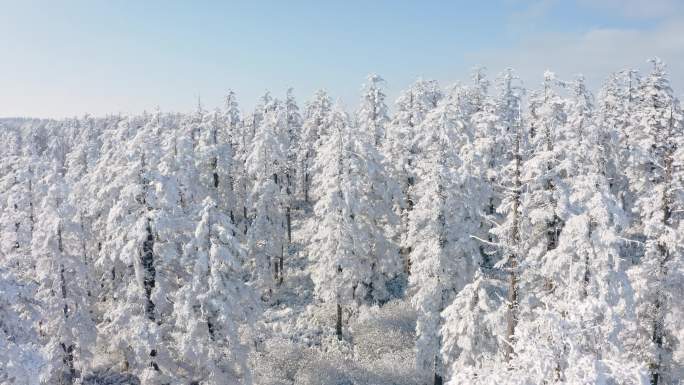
372	116
656	179
211	307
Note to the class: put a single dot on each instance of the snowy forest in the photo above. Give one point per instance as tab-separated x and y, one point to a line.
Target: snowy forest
481	233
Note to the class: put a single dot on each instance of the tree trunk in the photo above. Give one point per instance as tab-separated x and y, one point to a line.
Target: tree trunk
306	187
338	324
30	193
68	359
281	263
150	272
69	374
512	318
657	339
288	215
406	252
438	379
658	322
275	270
244	217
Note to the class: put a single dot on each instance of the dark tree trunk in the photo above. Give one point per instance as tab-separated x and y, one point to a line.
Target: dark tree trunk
288	215
275	270
438	379
338	324
306	187
68	360
150	272
30	192
406	252
657	339
214	166
281	262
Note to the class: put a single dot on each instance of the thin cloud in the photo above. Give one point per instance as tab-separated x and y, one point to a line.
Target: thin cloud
595	53
638	9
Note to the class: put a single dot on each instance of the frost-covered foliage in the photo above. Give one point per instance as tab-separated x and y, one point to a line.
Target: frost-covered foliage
478	234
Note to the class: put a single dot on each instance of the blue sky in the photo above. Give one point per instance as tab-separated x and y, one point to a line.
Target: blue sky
65	58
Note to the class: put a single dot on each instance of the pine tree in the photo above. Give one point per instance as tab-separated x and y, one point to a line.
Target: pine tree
314	130
374	215
267	233
211	307
546	122
433	264
68	329
127	255
481	312
338	247
587	314
215	160
401	152
20	353
293	131
472	330
372	116
493	125
444	254
655	176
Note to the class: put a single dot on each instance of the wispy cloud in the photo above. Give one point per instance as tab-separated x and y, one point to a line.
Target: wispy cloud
640	9
595	52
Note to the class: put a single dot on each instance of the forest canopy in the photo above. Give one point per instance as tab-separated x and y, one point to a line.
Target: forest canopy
482	233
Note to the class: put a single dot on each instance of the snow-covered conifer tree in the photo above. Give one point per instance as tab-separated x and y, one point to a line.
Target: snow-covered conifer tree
314	129
479	329
581	331
267	233
374	214
372	116
338	247
656	179
209	309
20	355
67	325
128	257
401	152
443	252
293	132
546	131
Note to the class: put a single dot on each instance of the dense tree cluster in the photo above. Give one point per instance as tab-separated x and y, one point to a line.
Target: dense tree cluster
479	234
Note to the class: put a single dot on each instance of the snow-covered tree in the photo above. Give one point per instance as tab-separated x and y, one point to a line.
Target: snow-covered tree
547	117
339	247
441	226
374	214
372	116
62	275
655	174
209	309
266	236
472	330
215	160
490	152
479	329
127	256
586	318
401	152
20	354
314	130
